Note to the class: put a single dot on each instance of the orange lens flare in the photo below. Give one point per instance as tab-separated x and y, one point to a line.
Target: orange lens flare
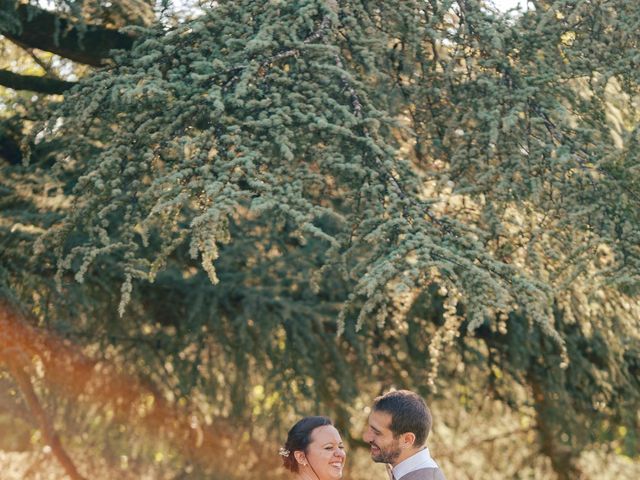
74	375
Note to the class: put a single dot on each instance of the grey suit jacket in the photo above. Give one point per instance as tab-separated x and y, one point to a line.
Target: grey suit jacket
424	474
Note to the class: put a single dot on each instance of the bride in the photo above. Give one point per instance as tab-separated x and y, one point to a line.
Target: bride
314	450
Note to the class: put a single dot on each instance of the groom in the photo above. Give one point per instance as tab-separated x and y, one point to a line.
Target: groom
399	424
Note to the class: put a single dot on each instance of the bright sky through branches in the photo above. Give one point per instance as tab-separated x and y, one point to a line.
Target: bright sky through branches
504	5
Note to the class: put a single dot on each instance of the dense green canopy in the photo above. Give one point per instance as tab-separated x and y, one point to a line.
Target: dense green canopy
326	198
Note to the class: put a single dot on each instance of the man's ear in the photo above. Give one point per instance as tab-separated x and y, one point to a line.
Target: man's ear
409	440
300	457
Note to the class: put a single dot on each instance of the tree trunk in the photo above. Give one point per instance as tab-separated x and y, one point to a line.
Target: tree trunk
564	459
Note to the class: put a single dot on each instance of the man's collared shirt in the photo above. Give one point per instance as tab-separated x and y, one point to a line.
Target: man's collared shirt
422	459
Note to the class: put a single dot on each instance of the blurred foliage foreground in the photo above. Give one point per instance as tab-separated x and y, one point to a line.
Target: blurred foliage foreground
217	218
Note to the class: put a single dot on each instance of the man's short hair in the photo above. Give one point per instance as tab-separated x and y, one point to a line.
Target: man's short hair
409	413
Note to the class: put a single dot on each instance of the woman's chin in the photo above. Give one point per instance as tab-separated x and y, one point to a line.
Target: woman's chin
336	472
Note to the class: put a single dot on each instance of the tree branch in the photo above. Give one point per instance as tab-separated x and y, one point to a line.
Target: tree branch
89	44
49	435
34	83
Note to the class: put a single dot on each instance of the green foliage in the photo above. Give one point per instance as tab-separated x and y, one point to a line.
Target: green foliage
280	207
254	112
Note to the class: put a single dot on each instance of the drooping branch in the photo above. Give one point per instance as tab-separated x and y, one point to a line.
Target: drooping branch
48	31
34	83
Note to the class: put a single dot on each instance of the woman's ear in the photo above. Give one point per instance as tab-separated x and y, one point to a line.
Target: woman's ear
300	457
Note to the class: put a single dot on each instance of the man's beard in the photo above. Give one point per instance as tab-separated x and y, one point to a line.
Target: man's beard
388	455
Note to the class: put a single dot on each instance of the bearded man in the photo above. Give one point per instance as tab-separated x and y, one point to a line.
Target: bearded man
399	425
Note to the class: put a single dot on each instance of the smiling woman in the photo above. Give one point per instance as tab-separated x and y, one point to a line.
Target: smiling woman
314	450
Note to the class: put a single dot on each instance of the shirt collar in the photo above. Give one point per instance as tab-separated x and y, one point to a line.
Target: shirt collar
418	460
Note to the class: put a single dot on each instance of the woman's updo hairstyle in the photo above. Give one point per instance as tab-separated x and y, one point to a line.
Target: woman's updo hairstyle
299	438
